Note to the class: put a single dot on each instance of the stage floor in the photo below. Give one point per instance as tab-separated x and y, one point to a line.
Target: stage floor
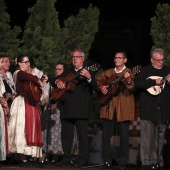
52	167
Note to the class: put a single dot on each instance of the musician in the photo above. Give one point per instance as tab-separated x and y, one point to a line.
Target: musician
54	125
154	109
24	123
56	145
40	74
119	109
75	109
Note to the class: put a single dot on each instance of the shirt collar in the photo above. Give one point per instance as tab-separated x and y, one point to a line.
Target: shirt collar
116	71
78	69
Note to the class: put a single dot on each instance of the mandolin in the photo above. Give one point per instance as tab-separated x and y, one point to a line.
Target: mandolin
113	86
70	81
155	90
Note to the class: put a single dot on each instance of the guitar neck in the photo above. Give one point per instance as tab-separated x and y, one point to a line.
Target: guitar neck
76	75
134	70
72	78
92	68
116	81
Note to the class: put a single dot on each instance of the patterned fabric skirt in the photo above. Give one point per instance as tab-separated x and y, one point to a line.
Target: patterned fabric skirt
25	129
53	124
3	145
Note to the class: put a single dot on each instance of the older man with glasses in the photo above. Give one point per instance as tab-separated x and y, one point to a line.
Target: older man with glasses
154	84
75	108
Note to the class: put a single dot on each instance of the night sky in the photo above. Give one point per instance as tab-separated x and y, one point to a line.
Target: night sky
123	25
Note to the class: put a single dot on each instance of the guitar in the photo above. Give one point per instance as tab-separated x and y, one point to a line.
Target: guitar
33	90
70	81
113	88
155	90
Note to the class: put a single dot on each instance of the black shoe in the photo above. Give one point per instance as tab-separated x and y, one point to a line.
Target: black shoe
25	164
76	165
122	168
63	164
155	167
145	167
107	166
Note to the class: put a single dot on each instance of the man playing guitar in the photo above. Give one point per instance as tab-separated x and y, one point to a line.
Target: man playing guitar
76	107
119	107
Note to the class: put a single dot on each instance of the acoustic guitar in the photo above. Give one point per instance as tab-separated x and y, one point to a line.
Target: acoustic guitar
33	90
70	81
155	90
113	86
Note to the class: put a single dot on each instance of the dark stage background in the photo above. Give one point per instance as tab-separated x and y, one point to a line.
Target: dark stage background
123	25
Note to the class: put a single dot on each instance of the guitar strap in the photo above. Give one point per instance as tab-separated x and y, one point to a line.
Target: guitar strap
8	93
7	87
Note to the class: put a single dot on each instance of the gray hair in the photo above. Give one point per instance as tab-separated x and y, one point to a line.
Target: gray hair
156	50
82	52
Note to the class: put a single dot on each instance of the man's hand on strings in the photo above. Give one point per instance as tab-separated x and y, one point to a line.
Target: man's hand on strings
104	89
85	73
127	77
159	81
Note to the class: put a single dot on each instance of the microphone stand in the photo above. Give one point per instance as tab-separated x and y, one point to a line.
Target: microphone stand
46	160
159	120
107	128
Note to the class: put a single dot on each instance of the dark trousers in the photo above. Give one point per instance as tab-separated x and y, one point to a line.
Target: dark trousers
166	149
149	142
67	134
108	132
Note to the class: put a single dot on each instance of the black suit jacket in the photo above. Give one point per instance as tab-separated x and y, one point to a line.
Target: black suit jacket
78	103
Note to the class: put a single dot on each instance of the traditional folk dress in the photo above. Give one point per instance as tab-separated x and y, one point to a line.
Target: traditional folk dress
3	147
24	122
3	116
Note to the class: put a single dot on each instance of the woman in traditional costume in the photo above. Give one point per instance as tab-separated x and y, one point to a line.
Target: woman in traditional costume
25	123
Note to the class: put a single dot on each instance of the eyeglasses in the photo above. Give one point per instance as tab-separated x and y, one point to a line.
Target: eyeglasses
58	69
26	62
76	57
119	58
159	60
